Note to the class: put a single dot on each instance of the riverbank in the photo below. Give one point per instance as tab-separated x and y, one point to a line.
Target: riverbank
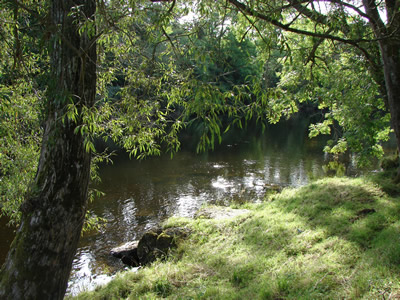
334	238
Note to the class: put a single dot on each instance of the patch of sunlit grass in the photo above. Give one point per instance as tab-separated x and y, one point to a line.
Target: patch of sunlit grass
335	238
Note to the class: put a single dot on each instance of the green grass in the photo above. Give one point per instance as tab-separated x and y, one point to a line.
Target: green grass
336	238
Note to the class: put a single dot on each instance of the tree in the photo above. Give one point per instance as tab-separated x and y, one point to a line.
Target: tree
39	262
337	82
40	259
340	21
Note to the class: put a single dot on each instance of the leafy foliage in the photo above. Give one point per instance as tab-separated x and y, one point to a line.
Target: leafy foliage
159	74
22	72
338	82
20	137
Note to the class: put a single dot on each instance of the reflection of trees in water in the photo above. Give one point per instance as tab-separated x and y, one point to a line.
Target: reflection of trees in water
164	186
141	194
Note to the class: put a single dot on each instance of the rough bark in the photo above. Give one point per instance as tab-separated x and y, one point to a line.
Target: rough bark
40	259
388	36
390	52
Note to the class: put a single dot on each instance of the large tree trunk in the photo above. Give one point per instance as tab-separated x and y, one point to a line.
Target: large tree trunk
388	36
390	52
40	259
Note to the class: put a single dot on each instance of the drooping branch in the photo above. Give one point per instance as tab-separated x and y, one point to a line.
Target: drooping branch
289	28
286	27
170	41
348	5
312	55
311	14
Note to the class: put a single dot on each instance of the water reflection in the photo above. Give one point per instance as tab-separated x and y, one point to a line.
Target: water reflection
139	194
85	274
187	205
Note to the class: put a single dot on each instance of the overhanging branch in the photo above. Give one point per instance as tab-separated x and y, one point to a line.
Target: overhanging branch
287	27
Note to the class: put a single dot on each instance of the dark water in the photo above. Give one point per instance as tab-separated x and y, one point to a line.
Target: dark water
140	194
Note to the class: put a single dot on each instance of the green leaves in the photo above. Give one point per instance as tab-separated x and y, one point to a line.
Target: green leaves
20	135
320	128
158	76
338	82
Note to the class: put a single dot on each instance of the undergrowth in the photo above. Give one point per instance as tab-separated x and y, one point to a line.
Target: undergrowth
336	238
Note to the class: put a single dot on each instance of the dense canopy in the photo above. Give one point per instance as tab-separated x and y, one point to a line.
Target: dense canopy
138	73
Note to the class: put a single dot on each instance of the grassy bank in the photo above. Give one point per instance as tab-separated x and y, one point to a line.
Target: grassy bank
337	238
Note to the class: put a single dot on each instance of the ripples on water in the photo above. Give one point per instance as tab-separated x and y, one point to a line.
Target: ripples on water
140	194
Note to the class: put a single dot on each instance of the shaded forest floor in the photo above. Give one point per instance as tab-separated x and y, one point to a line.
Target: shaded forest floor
336	238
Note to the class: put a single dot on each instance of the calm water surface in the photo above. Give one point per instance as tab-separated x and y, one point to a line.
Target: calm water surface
140	194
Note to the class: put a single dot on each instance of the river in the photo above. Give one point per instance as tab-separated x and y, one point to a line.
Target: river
140	194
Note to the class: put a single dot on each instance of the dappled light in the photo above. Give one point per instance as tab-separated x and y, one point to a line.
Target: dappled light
142	194
117	117
334	238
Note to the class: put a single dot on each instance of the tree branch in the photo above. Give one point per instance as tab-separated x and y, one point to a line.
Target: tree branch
353	7
311	14
286	27
312	55
170	41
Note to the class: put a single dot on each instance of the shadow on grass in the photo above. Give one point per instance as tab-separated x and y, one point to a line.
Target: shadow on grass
354	209
331	234
337	238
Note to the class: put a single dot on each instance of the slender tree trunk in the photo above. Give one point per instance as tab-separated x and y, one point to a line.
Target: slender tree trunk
40	259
